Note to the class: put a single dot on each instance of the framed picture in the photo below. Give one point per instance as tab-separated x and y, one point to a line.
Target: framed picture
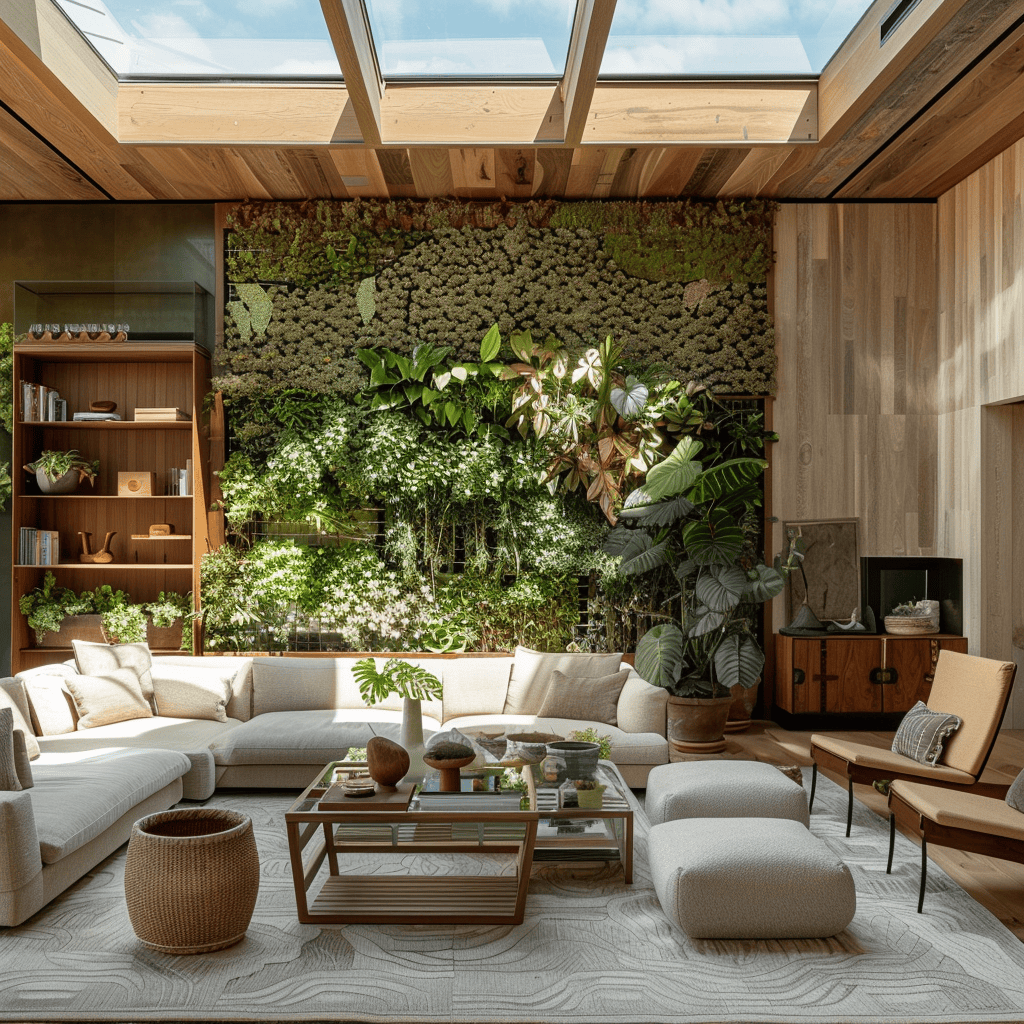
830	576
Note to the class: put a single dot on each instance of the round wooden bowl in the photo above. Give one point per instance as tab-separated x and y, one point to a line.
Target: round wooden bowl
451	781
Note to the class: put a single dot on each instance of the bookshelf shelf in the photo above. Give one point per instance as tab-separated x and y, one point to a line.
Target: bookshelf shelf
163	373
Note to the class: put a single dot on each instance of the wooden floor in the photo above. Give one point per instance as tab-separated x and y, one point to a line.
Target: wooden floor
998	885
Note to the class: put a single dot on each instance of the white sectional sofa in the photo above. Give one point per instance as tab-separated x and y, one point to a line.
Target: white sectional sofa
269	722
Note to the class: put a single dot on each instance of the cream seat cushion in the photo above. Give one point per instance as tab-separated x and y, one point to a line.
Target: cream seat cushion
627	747
531	675
308	737
73	805
12	695
94	659
956	808
881	757
749	878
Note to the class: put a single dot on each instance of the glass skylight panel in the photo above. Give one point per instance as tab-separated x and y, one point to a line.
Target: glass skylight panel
471	38
710	38
208	38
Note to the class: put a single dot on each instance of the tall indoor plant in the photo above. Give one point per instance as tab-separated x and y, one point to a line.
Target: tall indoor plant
700	524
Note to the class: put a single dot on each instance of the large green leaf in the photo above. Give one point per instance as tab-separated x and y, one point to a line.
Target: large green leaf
705	621
662	513
675	474
715	540
768	584
659	655
637	559
722	588
617	539
490	345
725	479
738	660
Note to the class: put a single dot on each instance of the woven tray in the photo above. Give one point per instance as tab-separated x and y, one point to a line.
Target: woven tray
910	625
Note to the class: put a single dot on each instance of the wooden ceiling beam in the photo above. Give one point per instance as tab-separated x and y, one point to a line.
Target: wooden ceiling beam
350	33
708	113
589	37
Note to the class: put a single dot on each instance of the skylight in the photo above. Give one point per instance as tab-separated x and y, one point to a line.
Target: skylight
714	38
471	38
208	38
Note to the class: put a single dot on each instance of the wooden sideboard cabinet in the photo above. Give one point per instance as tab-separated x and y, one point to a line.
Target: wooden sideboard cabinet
870	679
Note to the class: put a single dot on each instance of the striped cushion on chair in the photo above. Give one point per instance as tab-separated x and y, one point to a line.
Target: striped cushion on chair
922	732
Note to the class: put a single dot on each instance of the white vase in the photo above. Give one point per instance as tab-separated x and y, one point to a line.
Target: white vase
412	739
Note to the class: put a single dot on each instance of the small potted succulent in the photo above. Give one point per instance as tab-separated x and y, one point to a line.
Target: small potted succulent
589	793
61	472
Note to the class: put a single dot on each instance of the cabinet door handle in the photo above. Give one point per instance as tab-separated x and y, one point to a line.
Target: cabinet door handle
883	676
798	677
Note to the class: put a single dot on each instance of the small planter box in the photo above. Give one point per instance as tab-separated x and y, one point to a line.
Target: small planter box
164	638
75	627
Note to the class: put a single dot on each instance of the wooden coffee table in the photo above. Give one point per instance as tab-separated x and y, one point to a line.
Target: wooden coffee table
315	835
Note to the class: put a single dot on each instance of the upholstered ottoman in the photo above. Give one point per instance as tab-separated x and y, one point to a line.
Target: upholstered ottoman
749	878
723	789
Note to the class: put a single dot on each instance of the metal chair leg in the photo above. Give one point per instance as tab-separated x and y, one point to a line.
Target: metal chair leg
892	842
814	782
924	872
849	807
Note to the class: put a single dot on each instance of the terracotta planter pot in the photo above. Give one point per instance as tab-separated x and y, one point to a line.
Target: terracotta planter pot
742	707
696	725
74	627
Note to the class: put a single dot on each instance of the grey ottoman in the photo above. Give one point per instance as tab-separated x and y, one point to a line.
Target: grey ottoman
723	789
749	878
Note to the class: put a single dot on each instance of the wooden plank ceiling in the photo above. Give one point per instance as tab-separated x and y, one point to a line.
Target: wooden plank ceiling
905	120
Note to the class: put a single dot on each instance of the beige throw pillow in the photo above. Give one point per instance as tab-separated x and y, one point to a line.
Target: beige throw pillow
103	700
13	696
22	764
584	698
531	675
9	781
53	708
99	659
186	692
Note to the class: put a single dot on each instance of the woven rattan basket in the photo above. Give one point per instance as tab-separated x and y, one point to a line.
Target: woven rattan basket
910	625
191	878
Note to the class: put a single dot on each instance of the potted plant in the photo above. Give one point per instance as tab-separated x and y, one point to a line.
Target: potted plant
410	682
589	793
699	524
61	472
170	618
124	624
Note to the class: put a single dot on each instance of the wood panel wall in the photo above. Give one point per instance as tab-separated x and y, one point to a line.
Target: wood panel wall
980	404
855	300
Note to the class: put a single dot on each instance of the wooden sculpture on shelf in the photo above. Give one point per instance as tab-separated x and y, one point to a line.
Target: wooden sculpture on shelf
101	556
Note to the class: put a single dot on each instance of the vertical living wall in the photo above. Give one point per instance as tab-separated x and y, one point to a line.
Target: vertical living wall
435	411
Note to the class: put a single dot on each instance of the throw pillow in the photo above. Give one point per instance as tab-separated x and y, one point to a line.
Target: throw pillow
99	659
22	764
531	675
584	698
53	707
922	732
186	692
12	696
9	781
1015	794
103	700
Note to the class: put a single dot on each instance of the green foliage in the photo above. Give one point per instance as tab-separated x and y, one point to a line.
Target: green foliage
396	676
125	624
589	735
48	605
55	464
7	376
365	301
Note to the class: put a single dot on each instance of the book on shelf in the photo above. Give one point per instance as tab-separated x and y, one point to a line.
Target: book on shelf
41	404
94	417
38	547
168	415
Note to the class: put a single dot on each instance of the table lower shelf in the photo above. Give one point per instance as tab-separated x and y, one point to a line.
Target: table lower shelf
412	899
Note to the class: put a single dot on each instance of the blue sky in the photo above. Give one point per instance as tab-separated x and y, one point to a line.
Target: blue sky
497	36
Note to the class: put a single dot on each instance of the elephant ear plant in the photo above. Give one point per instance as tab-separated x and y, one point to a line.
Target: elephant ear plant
699	524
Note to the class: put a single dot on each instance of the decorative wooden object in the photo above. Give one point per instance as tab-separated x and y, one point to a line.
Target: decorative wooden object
102	406
101	556
76	338
136	484
387	761
451	781
161	530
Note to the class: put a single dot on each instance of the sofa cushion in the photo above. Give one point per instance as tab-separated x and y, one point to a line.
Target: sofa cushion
308	737
94	659
12	695
9	781
114	697
191	693
236	671
323	684
22	763
627	747
576	697
50	701
922	732
72	807
531	675
475	685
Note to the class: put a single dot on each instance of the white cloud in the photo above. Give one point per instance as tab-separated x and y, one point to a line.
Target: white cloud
163	26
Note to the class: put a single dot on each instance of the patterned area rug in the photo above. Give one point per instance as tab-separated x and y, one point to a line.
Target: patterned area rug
591	950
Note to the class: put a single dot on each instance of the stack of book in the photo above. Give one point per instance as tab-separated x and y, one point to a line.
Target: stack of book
40	404
160	415
38	547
